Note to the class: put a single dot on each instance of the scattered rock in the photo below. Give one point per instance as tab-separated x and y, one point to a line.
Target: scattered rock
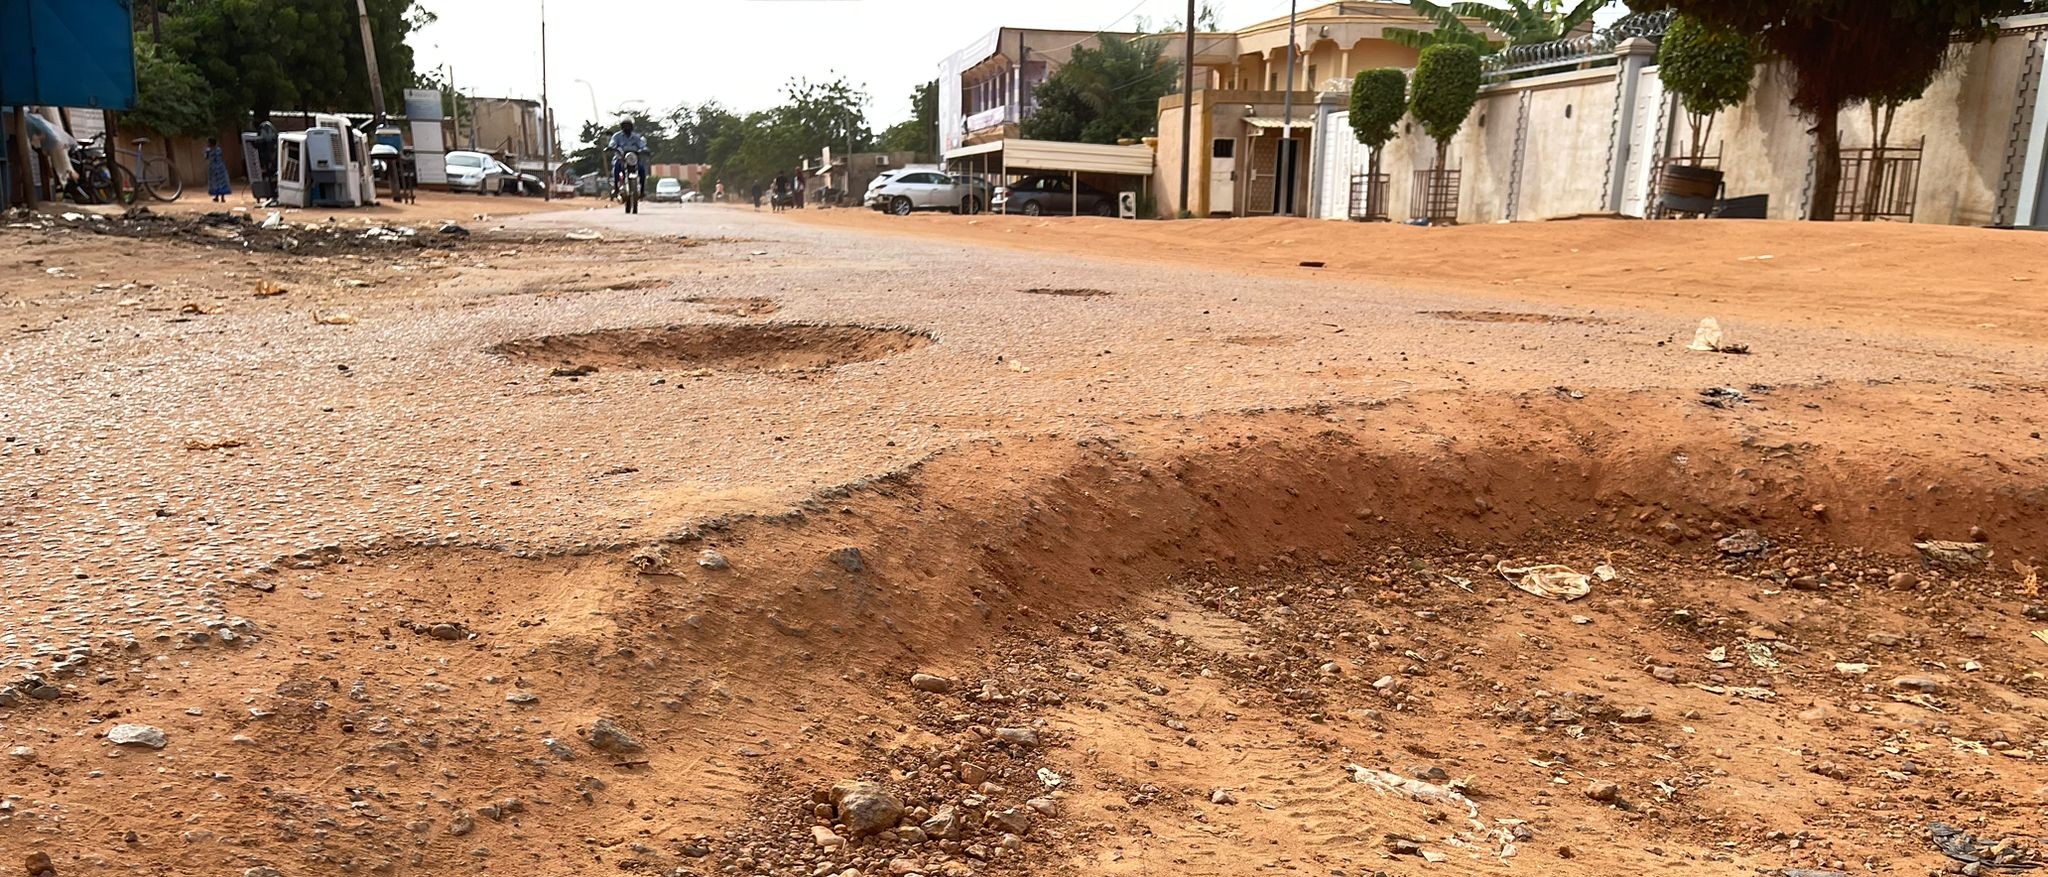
712	560
1636	715
865	808
824	838
1017	736
572	371
973	774
944	825
1743	543
1955	555
1222	797
22	753
522	698
1919	682
606	736
461	823
137	735
930	683
1603	791
1010	819
848	559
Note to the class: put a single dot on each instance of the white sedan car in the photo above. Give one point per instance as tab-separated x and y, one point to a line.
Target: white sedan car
928	190
474	172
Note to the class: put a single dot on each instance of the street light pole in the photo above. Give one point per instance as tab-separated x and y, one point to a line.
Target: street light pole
1187	109
547	136
1283	182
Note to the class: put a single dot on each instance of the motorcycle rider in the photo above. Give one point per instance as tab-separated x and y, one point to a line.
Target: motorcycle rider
623	141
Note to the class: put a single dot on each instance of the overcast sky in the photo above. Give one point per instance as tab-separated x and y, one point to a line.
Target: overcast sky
740	52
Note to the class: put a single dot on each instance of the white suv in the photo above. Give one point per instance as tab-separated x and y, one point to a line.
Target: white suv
911	191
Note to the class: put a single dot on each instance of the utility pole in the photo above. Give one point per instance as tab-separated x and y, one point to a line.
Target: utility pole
370	60
1283	181
547	118
1187	110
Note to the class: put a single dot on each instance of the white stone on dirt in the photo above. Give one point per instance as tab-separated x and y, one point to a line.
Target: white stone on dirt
137	735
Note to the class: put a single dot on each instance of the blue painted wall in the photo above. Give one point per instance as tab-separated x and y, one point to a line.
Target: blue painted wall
67	53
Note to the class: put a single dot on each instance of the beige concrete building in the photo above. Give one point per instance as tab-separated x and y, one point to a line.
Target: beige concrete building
1241	122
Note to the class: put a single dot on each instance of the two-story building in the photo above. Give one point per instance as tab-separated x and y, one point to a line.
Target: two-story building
1242	87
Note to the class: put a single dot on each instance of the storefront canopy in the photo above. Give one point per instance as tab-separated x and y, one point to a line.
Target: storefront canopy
1047	155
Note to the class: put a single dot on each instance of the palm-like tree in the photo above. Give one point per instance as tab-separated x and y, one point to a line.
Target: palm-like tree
1522	21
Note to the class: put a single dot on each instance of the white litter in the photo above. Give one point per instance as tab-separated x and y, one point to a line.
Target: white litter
1549	580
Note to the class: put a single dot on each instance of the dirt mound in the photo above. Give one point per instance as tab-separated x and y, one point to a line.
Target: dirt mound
780	347
1202	642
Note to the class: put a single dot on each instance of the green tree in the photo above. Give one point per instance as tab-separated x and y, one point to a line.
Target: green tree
1379	98
171	97
1523	22
1447	81
692	128
813	115
1843	51
1709	69
1104	94
921	130
263	55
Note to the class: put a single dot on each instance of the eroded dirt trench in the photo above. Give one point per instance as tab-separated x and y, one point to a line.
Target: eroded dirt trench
1272	642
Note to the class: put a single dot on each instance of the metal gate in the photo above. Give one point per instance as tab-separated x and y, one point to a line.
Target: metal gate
1260	173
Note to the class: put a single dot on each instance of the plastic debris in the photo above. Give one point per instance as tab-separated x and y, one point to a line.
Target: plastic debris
1549	580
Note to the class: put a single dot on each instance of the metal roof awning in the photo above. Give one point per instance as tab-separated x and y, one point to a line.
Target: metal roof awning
1271	122
1047	155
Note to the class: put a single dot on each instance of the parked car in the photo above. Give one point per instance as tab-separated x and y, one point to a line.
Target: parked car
474	172
928	190
668	189
1052	195
517	182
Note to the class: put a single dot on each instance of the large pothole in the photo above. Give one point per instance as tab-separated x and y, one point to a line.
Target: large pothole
777	347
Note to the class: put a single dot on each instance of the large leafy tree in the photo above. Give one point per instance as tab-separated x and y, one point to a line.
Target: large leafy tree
921	130
1447	81
1709	69
171	97
1843	51
757	148
1522	22
264	55
1104	94
691	130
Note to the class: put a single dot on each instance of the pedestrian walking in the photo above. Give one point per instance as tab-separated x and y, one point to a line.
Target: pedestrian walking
757	196
217	183
798	179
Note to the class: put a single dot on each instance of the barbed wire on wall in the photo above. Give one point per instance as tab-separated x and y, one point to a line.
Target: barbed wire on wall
1598	45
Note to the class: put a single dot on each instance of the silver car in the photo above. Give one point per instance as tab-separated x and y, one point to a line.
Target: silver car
910	192
474	172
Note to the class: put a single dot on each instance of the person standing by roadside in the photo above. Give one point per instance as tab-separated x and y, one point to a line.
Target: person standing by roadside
217	183
718	194
757	196
797	181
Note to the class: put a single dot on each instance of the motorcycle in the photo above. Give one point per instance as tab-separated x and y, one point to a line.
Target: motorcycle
627	185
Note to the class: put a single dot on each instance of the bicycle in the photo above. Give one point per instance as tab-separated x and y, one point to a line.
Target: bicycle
97	179
153	174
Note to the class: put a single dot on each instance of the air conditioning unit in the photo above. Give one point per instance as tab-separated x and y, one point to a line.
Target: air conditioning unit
881	161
